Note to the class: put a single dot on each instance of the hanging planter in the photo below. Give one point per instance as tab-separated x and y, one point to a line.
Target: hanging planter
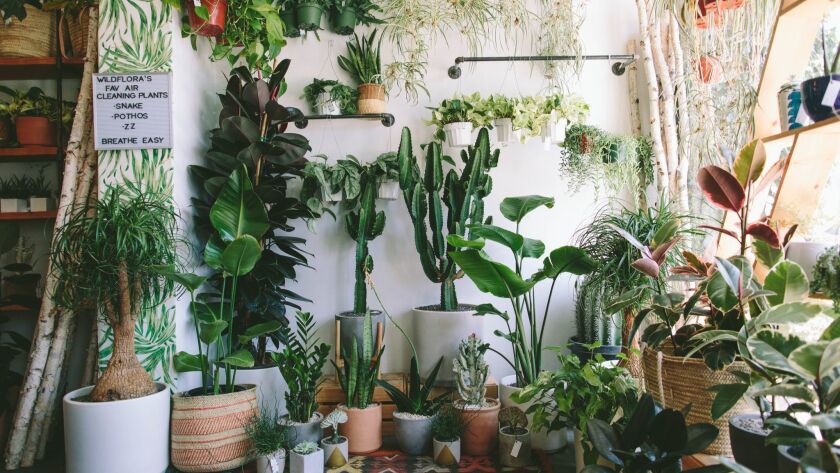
290	23
504	130
458	134
554	132
214	24
388	190
35	131
309	16
344	21
709	69
325	105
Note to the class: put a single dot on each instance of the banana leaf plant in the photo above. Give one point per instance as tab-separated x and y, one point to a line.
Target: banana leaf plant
239	220
252	133
528	322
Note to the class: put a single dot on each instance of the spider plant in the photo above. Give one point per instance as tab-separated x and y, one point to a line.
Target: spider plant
363	61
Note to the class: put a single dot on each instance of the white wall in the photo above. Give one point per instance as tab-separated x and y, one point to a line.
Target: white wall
523	169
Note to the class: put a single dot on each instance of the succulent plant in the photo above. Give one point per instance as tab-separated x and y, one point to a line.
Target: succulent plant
305	448
331	421
471	370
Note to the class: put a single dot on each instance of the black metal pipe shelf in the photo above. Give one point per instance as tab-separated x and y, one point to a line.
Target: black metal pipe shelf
386	118
618	67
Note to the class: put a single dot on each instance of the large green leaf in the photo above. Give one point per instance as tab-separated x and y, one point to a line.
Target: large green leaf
830	360
460	242
241	358
769	349
788	281
240	256
259	330
566	259
750	162
516	208
186	362
726	396
238	210
501	236
210	331
790	313
489	276
720	293
806	359
190	282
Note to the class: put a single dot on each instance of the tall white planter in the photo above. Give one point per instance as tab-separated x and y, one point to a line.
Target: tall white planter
805	254
458	134
274	463
504	130
540	439
271	388
129	436
388	190
438	333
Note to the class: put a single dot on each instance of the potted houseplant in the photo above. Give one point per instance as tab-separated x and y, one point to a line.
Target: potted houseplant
267	442
791	111
301	361
501	108
826	275
527	112
329	97
40	194
527	338
364	65
559	111
597	332
23	283
357	378
806	253
309	13
97	263
456	118
307	457
514	438
346	14
288	14
481	415
448	427
438	328
574	394
35	116
335	447
13	194
207	17
816	98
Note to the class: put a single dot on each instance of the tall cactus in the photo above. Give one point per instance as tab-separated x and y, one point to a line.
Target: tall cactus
428	192
592	324
364	224
361	370
471	370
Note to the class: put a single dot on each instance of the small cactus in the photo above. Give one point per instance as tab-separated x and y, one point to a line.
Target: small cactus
471	370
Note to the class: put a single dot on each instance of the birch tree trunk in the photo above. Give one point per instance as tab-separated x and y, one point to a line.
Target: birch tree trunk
684	121
667	100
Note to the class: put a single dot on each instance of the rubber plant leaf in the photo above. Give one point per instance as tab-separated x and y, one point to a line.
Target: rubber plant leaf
749	163
721	188
765	233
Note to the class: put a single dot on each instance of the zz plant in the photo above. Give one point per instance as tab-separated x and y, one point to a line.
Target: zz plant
427	192
361	369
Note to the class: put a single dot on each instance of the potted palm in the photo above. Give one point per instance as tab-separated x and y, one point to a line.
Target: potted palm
207	17
267	443
816	95
439	327
357	378
471	371
514	438
448	427
307	457
105	255
301	361
335	447
364	65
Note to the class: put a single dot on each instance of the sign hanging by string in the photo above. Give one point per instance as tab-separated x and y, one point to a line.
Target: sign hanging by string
132	111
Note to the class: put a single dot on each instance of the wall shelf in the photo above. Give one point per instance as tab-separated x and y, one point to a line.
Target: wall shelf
29	154
19	216
20	68
385	118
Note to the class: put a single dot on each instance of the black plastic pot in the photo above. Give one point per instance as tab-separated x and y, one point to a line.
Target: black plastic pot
789	455
584	354
813	91
747	438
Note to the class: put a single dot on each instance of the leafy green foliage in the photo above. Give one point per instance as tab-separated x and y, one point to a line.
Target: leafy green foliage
361	369
300	362
364	10
331	421
448	424
35	103
416	399
265	437
345	95
362	61
827	275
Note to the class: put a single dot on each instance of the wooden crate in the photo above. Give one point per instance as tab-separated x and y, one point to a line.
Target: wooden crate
492	390
331	396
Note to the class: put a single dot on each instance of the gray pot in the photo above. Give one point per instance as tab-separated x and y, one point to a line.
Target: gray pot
352	326
514	447
304	431
414	436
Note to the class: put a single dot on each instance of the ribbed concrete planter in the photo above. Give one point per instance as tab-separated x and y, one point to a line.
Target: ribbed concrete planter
437	333
208	432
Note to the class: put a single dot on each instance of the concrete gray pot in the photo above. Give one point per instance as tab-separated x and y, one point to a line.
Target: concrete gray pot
414	436
514	447
352	326
299	432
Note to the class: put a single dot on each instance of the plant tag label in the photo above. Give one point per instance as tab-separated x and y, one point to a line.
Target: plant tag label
514	451
272	462
831	93
197	3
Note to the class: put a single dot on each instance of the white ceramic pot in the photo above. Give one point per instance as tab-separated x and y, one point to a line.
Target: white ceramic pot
791	112
130	436
554	132
335	454
13	205
805	254
41	204
438	333
458	134
540	439
271	388
447	453
325	105
312	463
274	463
504	130
389	190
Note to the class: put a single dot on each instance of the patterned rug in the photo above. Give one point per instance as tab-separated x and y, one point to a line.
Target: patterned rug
392	461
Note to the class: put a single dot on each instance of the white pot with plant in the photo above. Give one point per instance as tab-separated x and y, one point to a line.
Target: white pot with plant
14	192
439	327
560	111
364	65
307	457
104	424
267	442
330	97
336	449
40	194
447	429
453	119
501	109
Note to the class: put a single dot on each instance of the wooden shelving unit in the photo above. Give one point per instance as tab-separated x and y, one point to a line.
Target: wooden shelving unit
29	154
22	216
31	68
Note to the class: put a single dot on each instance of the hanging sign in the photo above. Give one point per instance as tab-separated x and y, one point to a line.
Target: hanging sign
132	111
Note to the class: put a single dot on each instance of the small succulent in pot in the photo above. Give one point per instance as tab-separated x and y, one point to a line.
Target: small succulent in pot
447	429
335	445
307	457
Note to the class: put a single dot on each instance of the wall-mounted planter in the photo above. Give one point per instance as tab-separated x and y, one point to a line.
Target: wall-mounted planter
335	454
413	432
363	428
96	439
325	105
817	101
792	114
548	441
309	16
371	98
299	432
458	134
35	131
274	463
290	24
388	190
311	463
709	69
344	21
41	204
504	130
214	25
482	425
514	447
13	205
447	453
437	333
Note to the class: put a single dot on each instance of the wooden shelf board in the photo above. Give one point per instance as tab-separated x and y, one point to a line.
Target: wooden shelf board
28	215
38	67
29	153
823	127
15	308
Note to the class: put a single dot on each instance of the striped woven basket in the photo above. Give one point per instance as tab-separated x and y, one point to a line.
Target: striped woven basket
208	432
676	382
77	31
35	36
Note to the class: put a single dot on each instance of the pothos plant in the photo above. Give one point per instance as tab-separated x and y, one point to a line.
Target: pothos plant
459	109
345	95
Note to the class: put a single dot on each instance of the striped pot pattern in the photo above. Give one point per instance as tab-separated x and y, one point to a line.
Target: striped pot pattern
208	432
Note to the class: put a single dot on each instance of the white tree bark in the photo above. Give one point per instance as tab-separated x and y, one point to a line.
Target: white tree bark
667	100
684	121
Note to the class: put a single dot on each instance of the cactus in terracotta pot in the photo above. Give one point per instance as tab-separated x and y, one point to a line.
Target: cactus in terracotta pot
471	370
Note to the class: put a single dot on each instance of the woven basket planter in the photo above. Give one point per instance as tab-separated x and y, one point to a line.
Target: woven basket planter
208	432
676	382
77	31
35	36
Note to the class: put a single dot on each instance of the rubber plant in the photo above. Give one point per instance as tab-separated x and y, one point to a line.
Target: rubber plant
104	256
252	132
461	191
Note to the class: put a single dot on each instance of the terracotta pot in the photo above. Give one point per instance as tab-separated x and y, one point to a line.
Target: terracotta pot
208	432
708	13
709	69
482	424
215	24
363	428
35	131
5	131
371	98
